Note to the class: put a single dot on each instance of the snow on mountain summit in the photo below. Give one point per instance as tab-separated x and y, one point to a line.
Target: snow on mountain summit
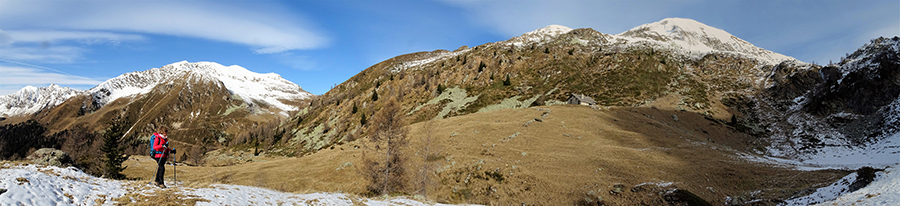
701	38
269	88
550	30
683	36
31	99
540	34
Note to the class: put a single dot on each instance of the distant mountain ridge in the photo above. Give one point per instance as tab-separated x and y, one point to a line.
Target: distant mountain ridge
697	37
33	99
254	88
683	36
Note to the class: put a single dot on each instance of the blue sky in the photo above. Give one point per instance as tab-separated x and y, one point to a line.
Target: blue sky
318	44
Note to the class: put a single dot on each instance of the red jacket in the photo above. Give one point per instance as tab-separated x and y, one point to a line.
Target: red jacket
160	145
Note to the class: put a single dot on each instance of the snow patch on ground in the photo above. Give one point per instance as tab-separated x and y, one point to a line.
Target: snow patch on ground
885	190
658	184
48	185
39	185
825	193
880	154
418	63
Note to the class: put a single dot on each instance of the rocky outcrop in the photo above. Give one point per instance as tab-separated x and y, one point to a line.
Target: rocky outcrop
51	157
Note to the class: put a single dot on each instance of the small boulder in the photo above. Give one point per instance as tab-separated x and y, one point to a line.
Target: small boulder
50	157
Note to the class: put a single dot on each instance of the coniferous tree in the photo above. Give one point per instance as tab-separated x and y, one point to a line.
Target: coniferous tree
374	95
114	150
362	121
507	82
384	164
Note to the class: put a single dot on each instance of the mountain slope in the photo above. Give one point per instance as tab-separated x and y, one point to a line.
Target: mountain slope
254	88
809	109
31	99
205	106
543	67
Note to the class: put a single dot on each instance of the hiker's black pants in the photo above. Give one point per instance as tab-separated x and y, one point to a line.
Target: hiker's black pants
160	169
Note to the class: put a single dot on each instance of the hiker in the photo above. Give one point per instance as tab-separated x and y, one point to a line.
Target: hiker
160	153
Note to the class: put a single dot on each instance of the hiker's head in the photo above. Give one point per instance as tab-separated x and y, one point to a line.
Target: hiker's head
163	130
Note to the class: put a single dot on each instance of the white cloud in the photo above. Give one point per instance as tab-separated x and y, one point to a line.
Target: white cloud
46	53
265	27
13	75
40	36
5	38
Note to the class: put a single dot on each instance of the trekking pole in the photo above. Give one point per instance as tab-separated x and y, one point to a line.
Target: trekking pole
175	168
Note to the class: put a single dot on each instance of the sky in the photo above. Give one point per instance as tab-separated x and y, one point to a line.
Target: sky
319	44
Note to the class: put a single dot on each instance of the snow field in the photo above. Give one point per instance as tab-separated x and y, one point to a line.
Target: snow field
48	185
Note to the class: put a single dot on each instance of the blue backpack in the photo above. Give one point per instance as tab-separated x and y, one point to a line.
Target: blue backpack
153	152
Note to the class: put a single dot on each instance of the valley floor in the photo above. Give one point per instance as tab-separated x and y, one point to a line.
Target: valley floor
558	155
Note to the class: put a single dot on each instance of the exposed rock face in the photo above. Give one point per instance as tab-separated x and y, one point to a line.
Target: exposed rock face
51	157
864	82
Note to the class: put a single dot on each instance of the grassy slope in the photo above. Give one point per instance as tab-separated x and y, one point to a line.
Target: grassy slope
558	161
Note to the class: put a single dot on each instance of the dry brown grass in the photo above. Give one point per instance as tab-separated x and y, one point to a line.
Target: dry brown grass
160	197
558	161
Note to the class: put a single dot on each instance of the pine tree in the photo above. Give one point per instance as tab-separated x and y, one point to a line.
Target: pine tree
507	82
362	120
114	150
375	95
354	110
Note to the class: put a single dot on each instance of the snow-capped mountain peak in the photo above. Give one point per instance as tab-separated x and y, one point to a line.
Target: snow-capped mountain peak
551	30
539	35
269	88
32	99
700	38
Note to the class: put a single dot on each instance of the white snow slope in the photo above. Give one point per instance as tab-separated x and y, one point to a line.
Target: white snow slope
885	190
697	37
47	185
268	88
31	99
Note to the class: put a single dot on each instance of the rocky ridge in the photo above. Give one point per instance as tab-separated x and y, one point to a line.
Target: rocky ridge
31	99
240	81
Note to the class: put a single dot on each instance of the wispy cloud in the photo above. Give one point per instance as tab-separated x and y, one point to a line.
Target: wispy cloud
16	77
45	53
49	36
264	27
